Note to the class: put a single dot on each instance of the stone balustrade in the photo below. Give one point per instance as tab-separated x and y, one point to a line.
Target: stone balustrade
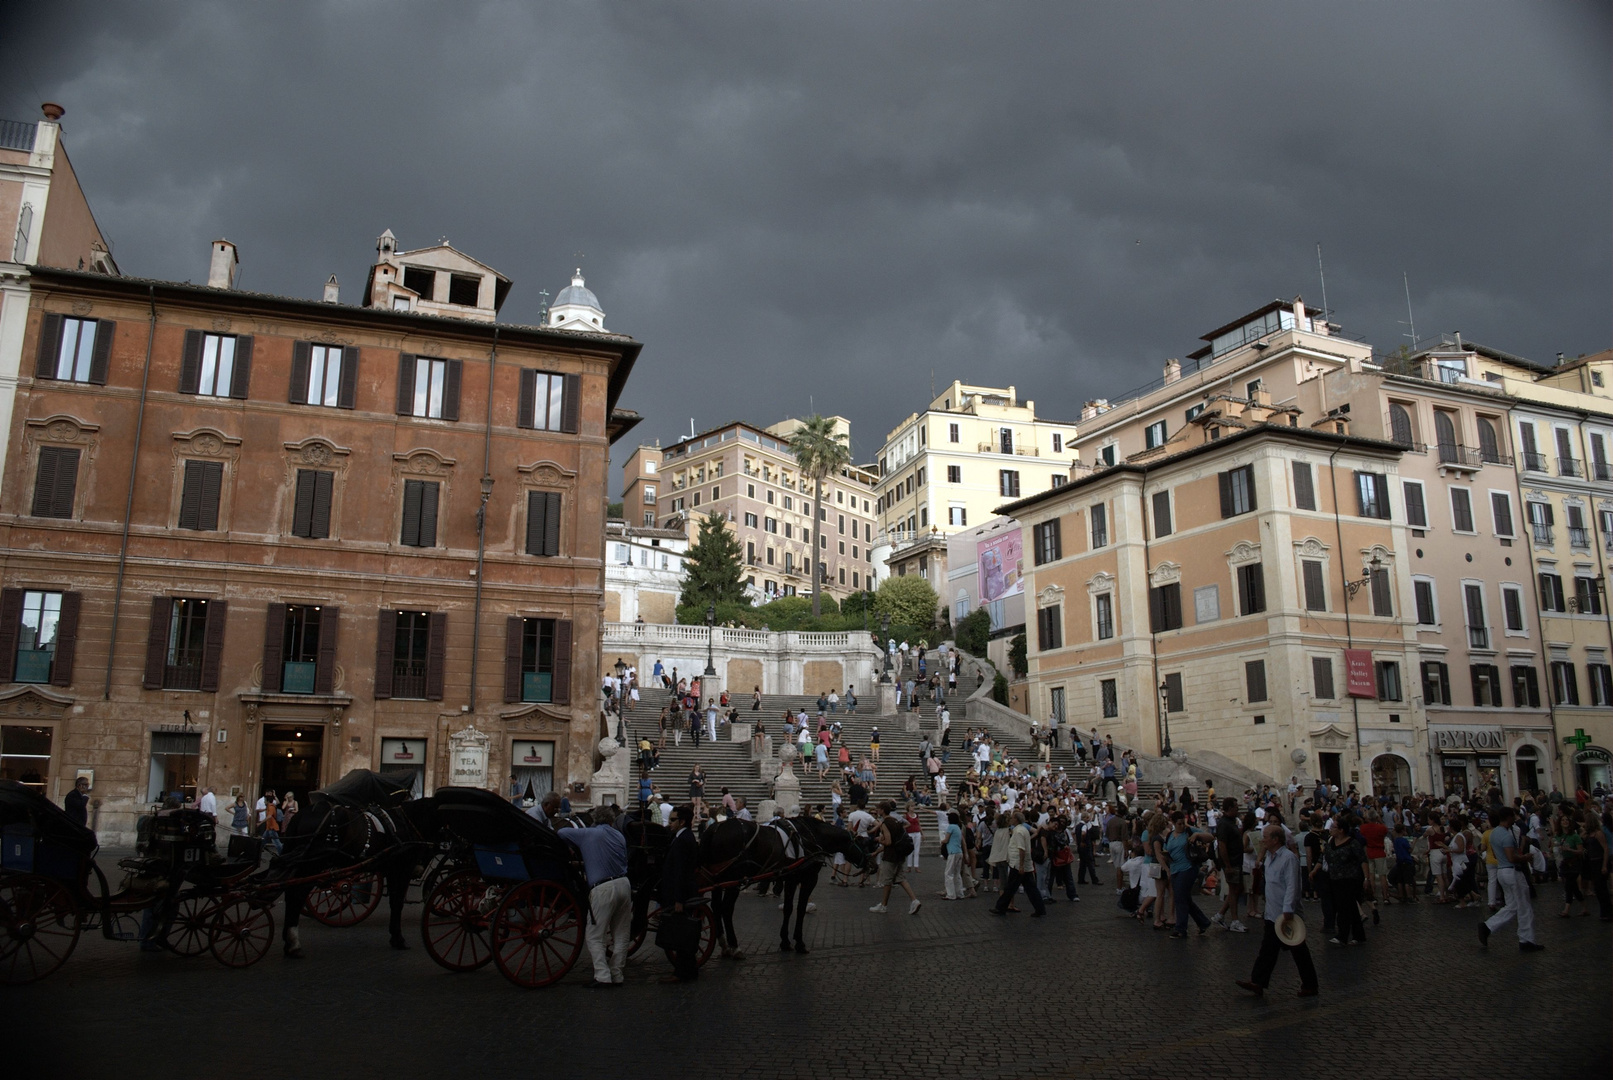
780	662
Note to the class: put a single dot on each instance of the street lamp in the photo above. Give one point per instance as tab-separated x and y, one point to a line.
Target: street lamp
1165	713
711	621
1353	587
884	641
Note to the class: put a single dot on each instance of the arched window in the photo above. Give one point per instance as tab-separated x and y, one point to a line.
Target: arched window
1489	446
1444	429
1400	424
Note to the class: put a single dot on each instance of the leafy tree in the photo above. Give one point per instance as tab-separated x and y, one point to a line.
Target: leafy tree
820	451
713	573
613	511
909	601
1016	656
974	631
999	689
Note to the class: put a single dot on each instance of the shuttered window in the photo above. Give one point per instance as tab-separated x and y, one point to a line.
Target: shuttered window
215	365
419	513
1304	489
1525	687
1436	683
185	644
548	401
543	523
1049	547
198	501
323	375
428	388
1238	491
311	515
1251	589
55	481
74	350
1322	677
1162	514
1372	495
1100	525
1254	678
1422	591
38	636
1501	513
1461	510
537	660
1173	692
1165	607
1050	628
409	650
1382	599
1416	509
1315	590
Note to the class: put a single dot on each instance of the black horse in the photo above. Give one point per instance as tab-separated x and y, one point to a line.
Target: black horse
813	841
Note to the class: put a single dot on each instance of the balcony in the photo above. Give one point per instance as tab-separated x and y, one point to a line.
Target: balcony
1456	456
1542	534
1580	538
1567	466
1533	462
409	679
185	675
1602	470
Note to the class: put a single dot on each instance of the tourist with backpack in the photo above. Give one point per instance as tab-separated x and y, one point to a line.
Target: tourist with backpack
894	848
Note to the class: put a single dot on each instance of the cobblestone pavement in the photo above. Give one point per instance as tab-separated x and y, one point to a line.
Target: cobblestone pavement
879	995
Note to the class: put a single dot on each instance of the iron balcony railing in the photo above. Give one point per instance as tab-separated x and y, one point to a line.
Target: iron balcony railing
18	135
1602	470
1463	457
1580	538
185	675
1567	466
1534	462
409	679
1542	534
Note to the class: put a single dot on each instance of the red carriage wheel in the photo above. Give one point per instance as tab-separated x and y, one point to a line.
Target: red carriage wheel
708	935
455	919
537	934
39	927
652	923
347	901
242	931
191	932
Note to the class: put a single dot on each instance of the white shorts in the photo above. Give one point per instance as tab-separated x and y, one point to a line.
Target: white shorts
1436	861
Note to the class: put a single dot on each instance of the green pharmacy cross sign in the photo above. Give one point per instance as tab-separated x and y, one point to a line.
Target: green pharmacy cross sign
1579	739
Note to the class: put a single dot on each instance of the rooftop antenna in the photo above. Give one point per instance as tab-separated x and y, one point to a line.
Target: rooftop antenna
1326	311
1410	322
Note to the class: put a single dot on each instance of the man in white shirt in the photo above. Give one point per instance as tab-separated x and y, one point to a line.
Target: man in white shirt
208	804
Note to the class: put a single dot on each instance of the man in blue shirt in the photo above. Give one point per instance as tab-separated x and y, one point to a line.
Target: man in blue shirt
1282	907
610	897
953	849
1510	866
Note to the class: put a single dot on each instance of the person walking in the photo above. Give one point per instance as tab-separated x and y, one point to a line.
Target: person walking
610	897
873	744
77	803
1182	848
1282	908
1229	852
893	841
1511	869
953	850
240	816
271	824
679	933
1344	856
1021	869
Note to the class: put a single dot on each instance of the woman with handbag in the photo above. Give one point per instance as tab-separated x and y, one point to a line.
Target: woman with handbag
1345	859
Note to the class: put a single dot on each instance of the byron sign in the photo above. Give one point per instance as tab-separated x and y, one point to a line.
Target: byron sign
1466	738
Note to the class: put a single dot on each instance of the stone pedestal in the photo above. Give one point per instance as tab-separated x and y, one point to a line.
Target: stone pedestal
740	732
787	791
610	782
767	811
911	721
887	699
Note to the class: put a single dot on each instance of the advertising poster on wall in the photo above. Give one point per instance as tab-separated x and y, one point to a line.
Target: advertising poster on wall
1001	567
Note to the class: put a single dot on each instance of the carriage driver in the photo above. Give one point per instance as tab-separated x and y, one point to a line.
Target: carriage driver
610	896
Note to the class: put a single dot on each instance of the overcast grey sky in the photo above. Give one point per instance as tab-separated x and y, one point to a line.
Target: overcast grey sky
796	204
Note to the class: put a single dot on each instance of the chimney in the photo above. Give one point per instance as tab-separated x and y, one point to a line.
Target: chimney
1299	312
1173	370
333	291
225	267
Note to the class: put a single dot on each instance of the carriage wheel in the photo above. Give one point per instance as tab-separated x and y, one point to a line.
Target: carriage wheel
191	931
347	901
455	919
652	923
708	936
537	934
241	931
39	927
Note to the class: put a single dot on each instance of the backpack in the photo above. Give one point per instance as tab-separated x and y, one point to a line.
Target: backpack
1199	848
1130	898
1039	847
901	844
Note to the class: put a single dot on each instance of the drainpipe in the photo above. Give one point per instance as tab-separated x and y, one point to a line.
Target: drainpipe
1153	638
1528	539
128	501
1601	554
481	524
1349	636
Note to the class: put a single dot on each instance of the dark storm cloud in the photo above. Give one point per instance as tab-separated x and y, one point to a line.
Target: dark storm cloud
794	202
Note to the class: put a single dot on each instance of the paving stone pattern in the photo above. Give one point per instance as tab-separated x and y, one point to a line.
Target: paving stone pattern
1091	995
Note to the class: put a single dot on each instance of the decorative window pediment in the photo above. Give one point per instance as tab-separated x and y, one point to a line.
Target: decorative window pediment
1311	548
1100	583
1165	573
1243	552
1049	596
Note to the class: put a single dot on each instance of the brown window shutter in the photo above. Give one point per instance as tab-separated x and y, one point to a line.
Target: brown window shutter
536	504
406	384
570	404
274	644
162	611
100	359
348	385
302	514
50	345
1058	541
450	390
386	647
190	497
319	527
436	649
241	377
301	353
551	524
55	482
428	513
190	363
529	398
330	620
410	534
514	626
1226	494
212	486
561	682
218	612
10	627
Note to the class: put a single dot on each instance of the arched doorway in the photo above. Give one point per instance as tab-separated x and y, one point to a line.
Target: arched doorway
1527	759
1391	776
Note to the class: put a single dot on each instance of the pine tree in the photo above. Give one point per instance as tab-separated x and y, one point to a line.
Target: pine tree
712	569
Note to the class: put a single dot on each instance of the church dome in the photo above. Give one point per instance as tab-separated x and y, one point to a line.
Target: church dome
577	294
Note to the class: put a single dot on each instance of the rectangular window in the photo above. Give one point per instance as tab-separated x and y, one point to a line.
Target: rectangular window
1251	589
1165	607
323	375
1100	525
750	521
770	525
1461	510
74	350
1501	513
55	482
410	656
1008	483
1254	679
1551	593
1382	597
198	499
1525	687
1423	590
1173	692
1588	599
1192	411
952	433
1436	683
1416	509
1512	607
1109	696
1304	490
1047	544
38	631
1600	676
428	388
1541	520
1154	435
957	515
1162	513
1005	440
1059	480
1486	686
311	514
954	474
1372	495
1315	588
543	404
1238	491
1564	683
1578	535
1058	443
1322	677
299	648
1478	631
841	525
419	513
219	367
543	523
1105	605
1050	628
537	659
1388	672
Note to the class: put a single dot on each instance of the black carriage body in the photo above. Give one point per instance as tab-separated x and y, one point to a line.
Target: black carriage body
505	842
39	837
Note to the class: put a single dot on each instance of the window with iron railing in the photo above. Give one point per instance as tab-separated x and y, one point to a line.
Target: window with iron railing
187	635
1567	466
1534	462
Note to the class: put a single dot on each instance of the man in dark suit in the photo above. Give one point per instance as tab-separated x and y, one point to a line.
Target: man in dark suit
679	934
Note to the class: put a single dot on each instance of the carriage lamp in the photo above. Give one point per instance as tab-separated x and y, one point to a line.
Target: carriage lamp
1165	714
711	621
621	668
1353	587
884	631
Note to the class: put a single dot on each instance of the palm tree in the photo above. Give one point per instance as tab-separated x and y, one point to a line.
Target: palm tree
819	450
